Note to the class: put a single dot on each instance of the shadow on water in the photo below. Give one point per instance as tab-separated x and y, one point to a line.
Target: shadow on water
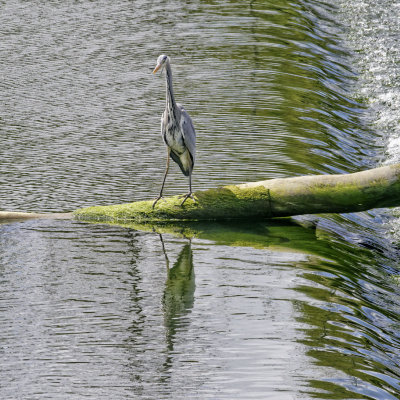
279	234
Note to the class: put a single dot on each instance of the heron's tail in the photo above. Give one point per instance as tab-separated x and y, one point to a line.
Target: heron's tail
185	162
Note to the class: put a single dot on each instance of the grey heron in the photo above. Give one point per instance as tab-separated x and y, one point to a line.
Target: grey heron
177	131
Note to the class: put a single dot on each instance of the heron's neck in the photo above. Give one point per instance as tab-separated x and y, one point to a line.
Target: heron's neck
171	104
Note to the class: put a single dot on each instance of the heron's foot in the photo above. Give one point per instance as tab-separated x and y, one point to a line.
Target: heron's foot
156	201
186	196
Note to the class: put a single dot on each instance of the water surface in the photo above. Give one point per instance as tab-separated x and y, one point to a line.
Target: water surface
307	308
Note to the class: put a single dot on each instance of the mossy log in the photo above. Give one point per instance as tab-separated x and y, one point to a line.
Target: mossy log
314	194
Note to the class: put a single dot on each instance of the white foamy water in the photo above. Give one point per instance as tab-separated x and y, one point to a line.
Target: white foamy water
374	34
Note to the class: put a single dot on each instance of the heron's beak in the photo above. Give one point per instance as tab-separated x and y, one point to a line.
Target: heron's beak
157	68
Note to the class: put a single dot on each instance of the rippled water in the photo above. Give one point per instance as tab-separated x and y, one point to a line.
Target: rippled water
303	308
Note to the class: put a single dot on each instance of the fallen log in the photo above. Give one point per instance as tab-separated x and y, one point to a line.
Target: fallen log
314	194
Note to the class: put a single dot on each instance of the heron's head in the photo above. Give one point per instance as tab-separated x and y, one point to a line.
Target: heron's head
161	61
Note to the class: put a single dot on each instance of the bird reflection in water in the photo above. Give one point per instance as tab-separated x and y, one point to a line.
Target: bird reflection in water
179	290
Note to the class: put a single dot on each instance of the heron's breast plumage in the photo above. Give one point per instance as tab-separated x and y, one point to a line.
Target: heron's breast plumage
173	136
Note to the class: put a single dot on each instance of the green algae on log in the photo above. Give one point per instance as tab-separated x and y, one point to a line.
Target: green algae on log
314	194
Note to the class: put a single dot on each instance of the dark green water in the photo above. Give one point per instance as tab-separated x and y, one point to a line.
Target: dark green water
303	308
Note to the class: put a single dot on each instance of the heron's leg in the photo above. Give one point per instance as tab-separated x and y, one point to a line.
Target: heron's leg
190	194
164	251
165	177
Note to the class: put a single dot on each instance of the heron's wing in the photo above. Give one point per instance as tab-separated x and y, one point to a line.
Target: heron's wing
189	134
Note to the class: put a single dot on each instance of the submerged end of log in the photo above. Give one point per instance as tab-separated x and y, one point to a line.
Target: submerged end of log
315	194
6	216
